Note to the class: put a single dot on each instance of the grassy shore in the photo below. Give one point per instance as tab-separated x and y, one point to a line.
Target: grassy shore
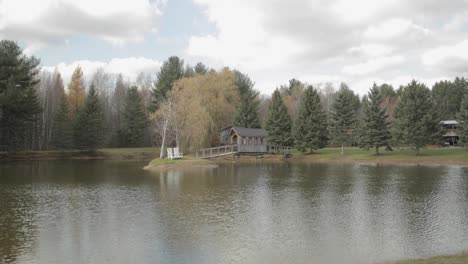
406	155
188	162
352	155
107	153
456	259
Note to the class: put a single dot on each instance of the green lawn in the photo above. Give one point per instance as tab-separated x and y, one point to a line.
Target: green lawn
443	155
100	153
456	259
428	155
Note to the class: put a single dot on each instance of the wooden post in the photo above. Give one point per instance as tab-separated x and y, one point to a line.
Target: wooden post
211	152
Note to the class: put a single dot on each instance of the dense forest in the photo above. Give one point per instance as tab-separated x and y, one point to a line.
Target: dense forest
187	105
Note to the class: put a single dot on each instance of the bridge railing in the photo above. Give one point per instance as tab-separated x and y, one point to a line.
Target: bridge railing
279	149
216	151
3	148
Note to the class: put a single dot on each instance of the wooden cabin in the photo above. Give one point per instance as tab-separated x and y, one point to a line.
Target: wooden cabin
248	140
450	128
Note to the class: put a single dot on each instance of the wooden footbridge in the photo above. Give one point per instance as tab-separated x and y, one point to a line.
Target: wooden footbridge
235	150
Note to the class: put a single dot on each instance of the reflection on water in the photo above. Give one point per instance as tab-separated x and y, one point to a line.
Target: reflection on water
114	212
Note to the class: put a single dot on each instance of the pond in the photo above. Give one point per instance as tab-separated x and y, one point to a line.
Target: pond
114	212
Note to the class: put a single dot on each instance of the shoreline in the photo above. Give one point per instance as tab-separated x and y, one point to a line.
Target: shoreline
430	156
461	258
344	160
99	154
188	163
191	163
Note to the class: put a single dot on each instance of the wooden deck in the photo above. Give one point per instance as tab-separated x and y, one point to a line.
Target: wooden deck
239	150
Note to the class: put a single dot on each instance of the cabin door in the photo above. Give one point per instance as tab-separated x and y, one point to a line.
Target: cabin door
234	139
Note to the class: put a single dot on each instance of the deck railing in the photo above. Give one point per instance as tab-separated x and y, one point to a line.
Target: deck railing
279	150
216	151
236	149
3	148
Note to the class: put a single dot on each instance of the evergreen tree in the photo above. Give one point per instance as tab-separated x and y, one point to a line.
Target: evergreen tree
375	128
134	119
200	69
189	71
310	127
62	134
88	130
359	128
279	122
247	110
463	118
118	106
414	122
19	105
343	116
171	71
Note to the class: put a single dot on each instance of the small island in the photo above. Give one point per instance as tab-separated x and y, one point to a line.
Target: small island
186	163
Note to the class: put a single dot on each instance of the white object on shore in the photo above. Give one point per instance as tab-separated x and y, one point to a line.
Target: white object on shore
177	154
170	154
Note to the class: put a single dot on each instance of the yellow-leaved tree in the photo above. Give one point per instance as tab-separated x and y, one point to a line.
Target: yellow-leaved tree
200	106
76	91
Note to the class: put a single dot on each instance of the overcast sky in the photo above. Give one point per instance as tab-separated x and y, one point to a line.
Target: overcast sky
358	42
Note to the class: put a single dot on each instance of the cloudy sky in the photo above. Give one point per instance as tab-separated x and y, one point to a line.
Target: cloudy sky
358	42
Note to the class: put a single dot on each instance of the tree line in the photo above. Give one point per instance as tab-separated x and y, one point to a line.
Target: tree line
186	106
385	117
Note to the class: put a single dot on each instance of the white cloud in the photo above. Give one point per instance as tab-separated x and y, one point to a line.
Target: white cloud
352	41
270	40
359	10
451	58
372	66
241	42
393	28
128	67
42	22
371	50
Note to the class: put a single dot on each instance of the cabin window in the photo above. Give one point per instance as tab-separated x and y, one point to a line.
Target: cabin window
244	140
259	141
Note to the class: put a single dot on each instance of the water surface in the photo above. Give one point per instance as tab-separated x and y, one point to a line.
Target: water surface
114	212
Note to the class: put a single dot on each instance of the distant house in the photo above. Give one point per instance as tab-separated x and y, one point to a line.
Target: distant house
249	140
450	128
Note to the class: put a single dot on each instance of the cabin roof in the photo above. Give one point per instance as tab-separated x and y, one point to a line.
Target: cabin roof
250	132
449	122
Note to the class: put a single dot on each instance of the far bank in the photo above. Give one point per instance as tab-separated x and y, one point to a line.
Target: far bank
106	153
428	156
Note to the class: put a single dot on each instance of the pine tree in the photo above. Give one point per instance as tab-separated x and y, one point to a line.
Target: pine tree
118	106
88	129
414	122
62	133
134	119
343	116
247	111
171	71
279	122
19	104
463	118
310	127
76	91
200	69
375	127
